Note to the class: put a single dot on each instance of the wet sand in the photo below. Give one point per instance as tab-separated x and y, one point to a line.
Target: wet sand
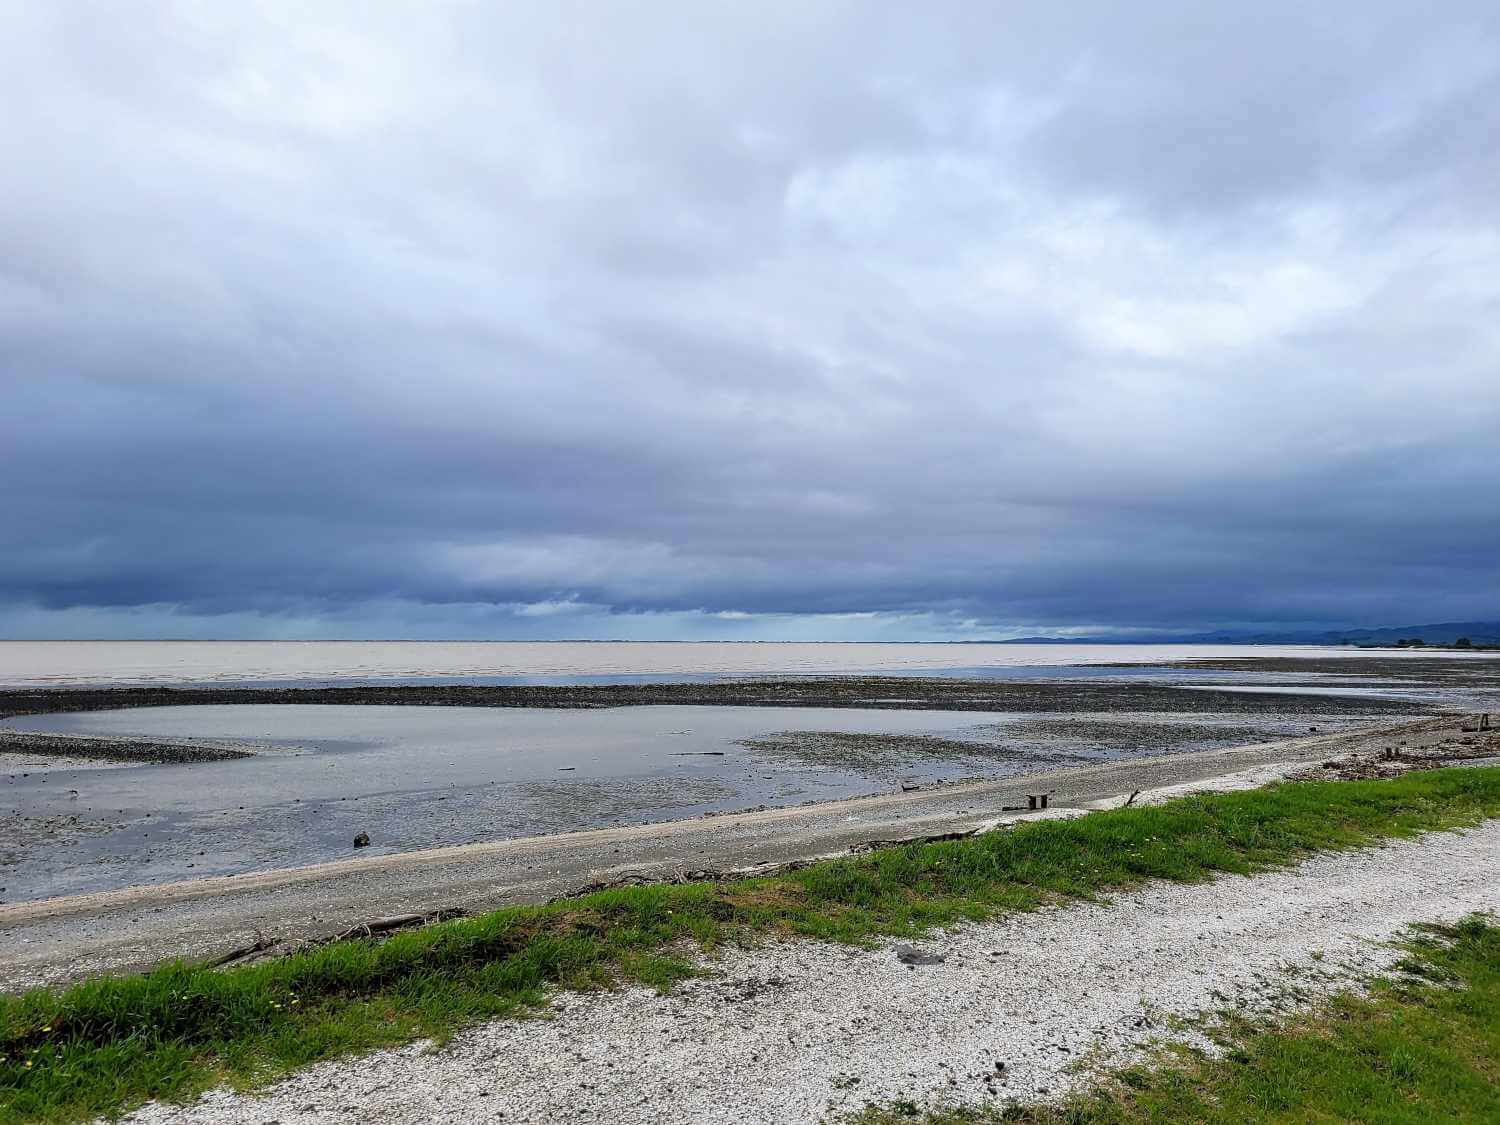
62	939
413	778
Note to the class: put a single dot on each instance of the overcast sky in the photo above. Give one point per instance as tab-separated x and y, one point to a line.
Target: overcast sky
864	320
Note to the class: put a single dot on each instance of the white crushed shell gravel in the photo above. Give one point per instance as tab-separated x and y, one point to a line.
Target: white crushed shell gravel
794	1030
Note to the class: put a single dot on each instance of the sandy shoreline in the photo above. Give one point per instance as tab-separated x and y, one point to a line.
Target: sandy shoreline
416	768
61	939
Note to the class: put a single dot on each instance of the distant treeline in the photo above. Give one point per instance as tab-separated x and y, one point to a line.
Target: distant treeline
1418	642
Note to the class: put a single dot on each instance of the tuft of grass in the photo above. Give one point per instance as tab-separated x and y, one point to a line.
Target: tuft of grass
107	1045
1420	1046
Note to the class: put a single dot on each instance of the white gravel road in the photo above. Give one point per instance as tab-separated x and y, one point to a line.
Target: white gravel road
795	1031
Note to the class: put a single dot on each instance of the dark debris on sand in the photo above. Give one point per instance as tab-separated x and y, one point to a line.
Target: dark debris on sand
882	692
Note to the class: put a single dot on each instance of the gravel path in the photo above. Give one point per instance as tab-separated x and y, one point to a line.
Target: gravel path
794	1030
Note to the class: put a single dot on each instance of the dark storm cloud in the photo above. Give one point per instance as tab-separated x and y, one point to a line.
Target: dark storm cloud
781	320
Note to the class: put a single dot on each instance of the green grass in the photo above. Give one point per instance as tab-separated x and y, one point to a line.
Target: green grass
108	1044
1421	1046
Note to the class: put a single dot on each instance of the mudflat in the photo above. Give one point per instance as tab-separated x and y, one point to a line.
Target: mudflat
54	940
1091	738
888	692
414	768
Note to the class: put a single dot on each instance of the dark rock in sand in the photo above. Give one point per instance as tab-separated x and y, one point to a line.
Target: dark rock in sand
911	956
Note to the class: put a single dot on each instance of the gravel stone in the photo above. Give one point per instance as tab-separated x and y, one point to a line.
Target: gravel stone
795	1030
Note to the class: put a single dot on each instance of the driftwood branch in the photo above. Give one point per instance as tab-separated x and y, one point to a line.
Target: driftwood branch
393	922
680	875
263	944
259	945
936	838
760	870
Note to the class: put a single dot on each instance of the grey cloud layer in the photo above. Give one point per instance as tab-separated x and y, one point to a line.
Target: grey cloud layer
536	320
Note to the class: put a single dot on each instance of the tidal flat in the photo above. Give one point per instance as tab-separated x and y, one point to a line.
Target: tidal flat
222	781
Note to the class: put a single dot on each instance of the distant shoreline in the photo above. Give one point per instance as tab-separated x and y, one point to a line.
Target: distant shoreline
917	693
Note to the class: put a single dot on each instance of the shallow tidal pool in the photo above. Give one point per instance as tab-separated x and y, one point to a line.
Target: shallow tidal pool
421	777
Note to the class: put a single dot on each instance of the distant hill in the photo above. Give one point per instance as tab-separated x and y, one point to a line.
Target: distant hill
1486	633
1445	633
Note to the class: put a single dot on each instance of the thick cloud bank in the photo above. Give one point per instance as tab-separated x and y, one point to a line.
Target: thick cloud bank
803	320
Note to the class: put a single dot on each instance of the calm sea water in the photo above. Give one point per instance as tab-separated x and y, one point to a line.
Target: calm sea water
57	663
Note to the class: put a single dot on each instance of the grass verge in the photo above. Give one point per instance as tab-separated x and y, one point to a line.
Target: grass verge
109	1044
1421	1046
